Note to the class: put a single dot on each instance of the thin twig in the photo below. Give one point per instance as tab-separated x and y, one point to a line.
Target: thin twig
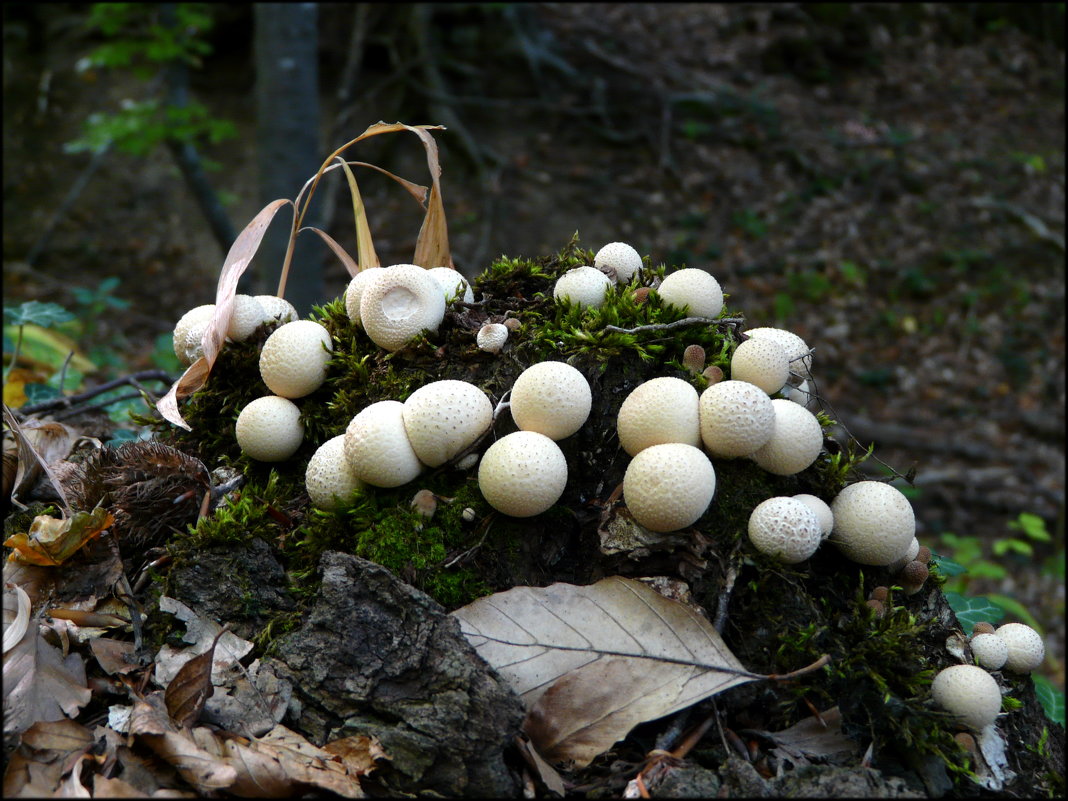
686	322
71	400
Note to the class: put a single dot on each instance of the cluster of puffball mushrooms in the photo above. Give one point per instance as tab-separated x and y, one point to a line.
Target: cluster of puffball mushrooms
669	431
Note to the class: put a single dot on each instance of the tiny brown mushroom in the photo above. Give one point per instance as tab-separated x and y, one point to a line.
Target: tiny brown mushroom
876	605
693	358
923	555
912	577
982	627
880	594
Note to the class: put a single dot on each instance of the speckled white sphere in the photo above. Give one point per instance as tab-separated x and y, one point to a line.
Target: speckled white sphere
737	418
797	352
795	442
277	309
785	528
1026	649
293	359
694	290
377	446
269	429
989	650
585	286
668	487
618	259
189	331
552	398
328	478
452	283
399	303
969	693
522	474
823	513
354	291
444	417
761	362
873	523
663	409
248	315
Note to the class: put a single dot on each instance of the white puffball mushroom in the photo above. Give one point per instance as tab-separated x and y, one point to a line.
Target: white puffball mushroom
582	285
377	446
400	302
354	291
969	693
736	418
269	429
797	352
552	398
329	478
873	523
989	650
795	442
694	290
522	474
491	337
822	511
909	556
444	417
189	331
618	260
785	528
801	394
452	284
277	309
294	358
669	486
660	410
1026	649
761	362
248	315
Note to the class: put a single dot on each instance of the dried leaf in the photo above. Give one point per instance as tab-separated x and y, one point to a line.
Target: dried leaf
365	246
64	735
621	653
27	777
16	615
113	656
202	632
51	542
358	753
432	246
339	251
237	261
36	452
191	687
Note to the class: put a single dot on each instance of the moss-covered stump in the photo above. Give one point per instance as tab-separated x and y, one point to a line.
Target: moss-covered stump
776	618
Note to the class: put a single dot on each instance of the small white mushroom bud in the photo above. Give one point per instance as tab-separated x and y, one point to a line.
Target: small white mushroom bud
737	418
354	291
909	556
784	528
795	442
377	446
294	358
873	523
585	286
761	362
491	337
662	409
822	511
1026	649
619	261
469	515
189	331
329	478
269	429
694	290
989	650
522	474
969	693
797	352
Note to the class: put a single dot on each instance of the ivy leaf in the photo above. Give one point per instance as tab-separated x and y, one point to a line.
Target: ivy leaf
970	611
1051	698
33	311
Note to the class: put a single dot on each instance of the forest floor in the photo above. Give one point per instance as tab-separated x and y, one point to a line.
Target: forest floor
885	185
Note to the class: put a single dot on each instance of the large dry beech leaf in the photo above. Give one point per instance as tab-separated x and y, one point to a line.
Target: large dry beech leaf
591	662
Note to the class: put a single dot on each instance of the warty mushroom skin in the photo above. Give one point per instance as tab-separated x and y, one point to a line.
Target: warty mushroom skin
189	331
796	350
761	362
452	283
491	337
668	487
399	303
822	511
276	309
694	290
618	259
522	474
795	442
969	693
1026	649
328	478
354	292
377	446
873	523
584	285
736	418
989	650
785	528
663	409
293	359
444	417
269	429
552	398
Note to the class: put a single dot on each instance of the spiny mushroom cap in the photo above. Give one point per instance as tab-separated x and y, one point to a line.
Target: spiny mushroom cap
400	302
873	523
354	291
276	308
796	349
522	474
969	693
619	257
669	486
795	441
737	418
269	429
694	290
452	284
189	331
582	285
444	417
491	337
552	398
785	528
377	446
294	357
761	362
989	650
659	410
329	478
1026	649
822	510
248	315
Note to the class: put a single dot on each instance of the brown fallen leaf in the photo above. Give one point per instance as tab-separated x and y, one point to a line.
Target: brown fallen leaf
191	688
39	444
50	541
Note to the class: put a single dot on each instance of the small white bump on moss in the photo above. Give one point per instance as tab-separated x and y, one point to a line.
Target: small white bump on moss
694	290
795	442
329	478
354	292
785	528
552	398
189	331
1026	649
873	523
989	650
619	261
294	358
584	286
377	446
761	362
736	417
660	410
248	315
452	283
969	693
491	337
399	303
668	487
522	474
269	429
443	418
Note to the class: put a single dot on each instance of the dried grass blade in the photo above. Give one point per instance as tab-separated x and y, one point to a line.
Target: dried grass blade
339	251
432	246
365	246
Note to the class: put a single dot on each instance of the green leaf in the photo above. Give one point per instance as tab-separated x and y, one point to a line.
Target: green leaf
946	566
38	393
33	311
1016	609
970	611
1002	547
1051	698
1032	526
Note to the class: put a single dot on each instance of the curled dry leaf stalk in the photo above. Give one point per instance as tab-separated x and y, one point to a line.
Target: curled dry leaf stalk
431	250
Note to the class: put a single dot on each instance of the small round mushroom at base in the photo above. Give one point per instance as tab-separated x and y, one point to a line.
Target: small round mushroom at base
453	284
522	474
912	577
694	290
668	487
491	337
585	286
619	261
784	528
662	409
552	398
989	650
873	523
268	429
969	693
329	478
1026	648
189	331
293	359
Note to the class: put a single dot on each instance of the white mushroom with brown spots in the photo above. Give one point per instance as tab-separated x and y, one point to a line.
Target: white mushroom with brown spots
552	398
969	693
668	487
761	362
443	418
